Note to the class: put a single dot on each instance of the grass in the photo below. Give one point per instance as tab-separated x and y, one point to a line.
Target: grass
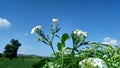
18	62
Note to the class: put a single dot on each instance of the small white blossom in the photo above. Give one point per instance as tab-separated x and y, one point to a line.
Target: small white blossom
54	20
79	32
75	32
35	29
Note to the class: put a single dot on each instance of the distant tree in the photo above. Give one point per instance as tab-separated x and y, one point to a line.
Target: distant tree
0	54
8	51
11	49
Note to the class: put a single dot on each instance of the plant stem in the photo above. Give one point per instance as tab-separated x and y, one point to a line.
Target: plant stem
53	49
52	45
62	58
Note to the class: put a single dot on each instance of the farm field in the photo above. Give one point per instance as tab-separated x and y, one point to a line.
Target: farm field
18	62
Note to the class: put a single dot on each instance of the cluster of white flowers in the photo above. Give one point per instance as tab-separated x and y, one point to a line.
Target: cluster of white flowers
36	28
54	20
80	32
96	62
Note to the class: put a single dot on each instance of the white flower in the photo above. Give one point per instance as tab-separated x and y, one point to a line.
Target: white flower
75	32
35	29
54	20
80	32
94	61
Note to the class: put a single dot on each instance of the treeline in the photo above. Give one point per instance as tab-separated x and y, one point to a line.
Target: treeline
10	50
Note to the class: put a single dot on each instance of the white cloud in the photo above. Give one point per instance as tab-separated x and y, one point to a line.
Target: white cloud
110	41
4	23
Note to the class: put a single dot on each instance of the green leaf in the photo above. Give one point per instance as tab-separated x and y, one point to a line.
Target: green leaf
41	63
68	48
50	42
108	49
60	46
93	43
107	45
40	39
45	42
57	30
65	37
57	36
48	38
115	55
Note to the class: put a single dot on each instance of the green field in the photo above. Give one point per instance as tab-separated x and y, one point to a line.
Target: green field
18	62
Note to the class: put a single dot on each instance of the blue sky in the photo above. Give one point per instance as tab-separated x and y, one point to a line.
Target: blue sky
100	18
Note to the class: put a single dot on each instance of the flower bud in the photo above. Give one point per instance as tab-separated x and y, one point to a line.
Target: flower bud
54	20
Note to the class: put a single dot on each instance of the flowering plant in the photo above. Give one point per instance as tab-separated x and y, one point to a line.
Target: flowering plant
92	62
93	55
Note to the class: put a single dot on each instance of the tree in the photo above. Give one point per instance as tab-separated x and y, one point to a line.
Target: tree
11	49
0	54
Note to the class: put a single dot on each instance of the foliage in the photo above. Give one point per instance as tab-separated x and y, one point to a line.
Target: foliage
67	57
41	63
11	49
0	54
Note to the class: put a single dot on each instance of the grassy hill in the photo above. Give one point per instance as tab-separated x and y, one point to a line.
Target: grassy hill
18	62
